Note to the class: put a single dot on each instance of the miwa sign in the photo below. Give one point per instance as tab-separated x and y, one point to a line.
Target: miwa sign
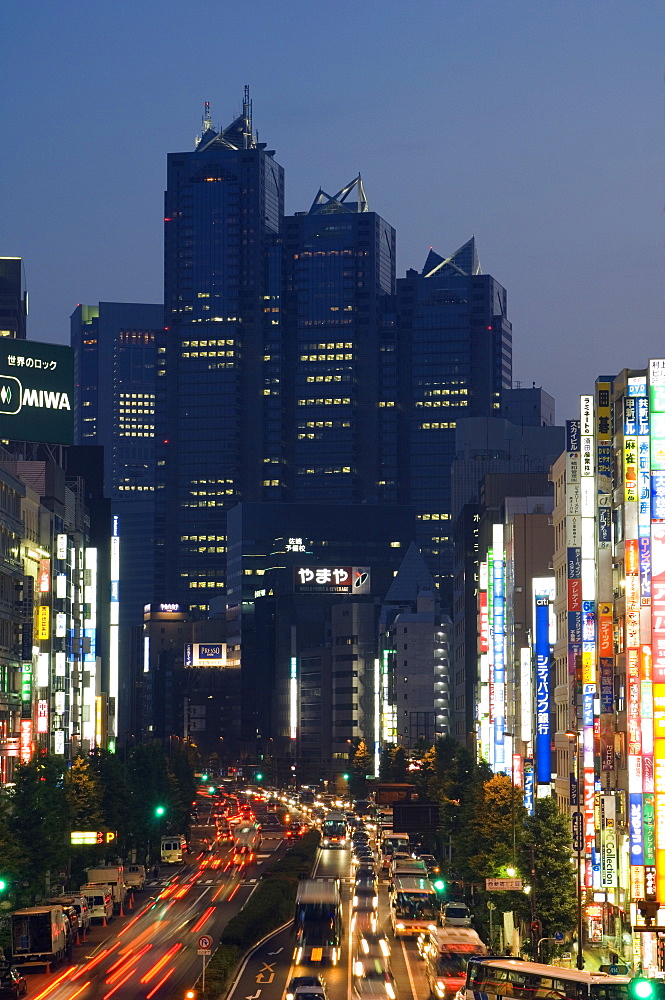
36	392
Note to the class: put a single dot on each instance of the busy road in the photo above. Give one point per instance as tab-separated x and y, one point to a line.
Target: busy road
271	967
151	952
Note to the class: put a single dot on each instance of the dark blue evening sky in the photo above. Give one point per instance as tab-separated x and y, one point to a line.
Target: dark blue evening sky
535	125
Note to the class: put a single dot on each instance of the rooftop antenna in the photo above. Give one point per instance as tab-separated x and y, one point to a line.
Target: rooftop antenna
206	121
247	116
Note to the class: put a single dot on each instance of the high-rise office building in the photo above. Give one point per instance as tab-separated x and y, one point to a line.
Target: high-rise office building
13	300
339	271
221	392
118	352
454	329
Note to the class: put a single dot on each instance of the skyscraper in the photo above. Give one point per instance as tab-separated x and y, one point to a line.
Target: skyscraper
221	393
339	273
454	330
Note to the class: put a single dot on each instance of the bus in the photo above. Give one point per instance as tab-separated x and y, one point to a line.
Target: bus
393	843
246	842
172	849
447	951
334	830
414	906
505	977
318	922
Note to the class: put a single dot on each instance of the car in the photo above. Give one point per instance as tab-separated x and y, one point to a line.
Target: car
366	877
307	983
365	898
12	982
457	914
376	983
432	865
371	946
310	993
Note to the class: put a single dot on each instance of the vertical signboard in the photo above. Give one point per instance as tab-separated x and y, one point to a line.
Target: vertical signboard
588	501
498	648
542	656
652	654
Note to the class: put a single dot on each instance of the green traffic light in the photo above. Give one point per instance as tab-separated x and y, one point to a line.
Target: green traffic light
159	810
259	776
3	885
346	777
439	885
643	989
211	789
204	777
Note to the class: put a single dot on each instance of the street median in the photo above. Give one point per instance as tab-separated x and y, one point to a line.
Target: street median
270	906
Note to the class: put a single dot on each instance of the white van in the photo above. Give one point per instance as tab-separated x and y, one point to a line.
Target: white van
100	901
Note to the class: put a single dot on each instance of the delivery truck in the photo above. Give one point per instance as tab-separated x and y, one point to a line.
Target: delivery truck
40	935
114	877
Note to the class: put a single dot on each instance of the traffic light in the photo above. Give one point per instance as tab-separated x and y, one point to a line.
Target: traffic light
204	777
3	884
259	776
439	885
212	789
641	988
160	810
346	777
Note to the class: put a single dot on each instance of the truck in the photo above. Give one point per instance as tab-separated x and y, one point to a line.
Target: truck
80	904
40	935
135	877
114	877
100	901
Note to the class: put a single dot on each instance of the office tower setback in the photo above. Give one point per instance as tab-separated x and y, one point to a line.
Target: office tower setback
221	394
454	329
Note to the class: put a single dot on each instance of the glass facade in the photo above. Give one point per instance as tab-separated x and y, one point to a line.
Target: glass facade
454	328
340	261
219	387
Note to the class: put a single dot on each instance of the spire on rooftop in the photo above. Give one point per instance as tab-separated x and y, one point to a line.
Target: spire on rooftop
238	135
327	204
463	261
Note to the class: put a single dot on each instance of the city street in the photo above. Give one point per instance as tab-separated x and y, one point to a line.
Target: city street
151	952
270	967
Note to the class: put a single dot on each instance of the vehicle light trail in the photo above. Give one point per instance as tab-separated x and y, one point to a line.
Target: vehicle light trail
161	981
234	892
134	919
151	973
218	893
79	990
200	922
89	965
129	963
52	986
118	985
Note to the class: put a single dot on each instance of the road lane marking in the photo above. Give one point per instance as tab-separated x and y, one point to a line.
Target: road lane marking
268	970
408	969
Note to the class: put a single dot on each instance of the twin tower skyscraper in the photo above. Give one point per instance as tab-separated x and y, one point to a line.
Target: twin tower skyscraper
296	368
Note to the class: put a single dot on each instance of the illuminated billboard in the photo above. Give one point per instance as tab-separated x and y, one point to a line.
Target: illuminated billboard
36	391
205	654
331	580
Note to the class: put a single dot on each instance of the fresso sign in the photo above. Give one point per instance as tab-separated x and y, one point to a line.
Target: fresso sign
36	392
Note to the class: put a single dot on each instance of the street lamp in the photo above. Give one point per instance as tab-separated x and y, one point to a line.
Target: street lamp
574	736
